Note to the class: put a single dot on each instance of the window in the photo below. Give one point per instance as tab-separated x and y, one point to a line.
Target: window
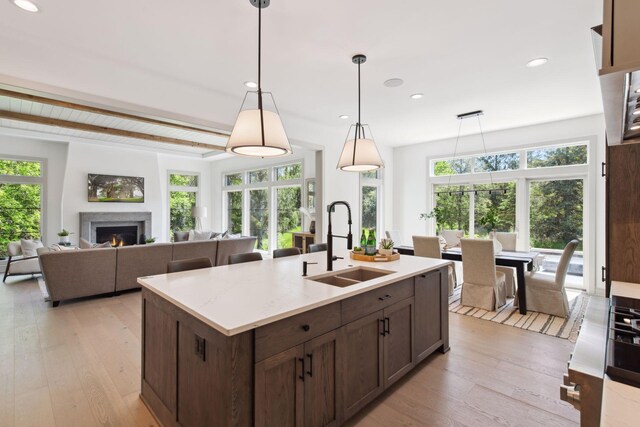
21	184
494	208
452	167
289	201
536	192
233	179
234	212
183	196
265	203
261	175
496	162
285	173
370	200
557	156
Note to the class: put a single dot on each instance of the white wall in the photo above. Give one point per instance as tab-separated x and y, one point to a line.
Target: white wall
411	193
55	155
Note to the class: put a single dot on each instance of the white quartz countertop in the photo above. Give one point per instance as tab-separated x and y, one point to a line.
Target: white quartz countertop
237	298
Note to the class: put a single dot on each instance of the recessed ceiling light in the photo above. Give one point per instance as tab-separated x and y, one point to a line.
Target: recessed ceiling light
537	62
26	5
393	82
251	85
343	116
417	96
635	127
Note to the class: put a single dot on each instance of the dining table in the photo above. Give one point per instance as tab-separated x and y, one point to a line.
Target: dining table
520	260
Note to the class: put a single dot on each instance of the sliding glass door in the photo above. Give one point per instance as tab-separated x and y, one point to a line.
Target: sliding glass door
556	216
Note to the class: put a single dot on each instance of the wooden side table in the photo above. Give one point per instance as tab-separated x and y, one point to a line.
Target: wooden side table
302	241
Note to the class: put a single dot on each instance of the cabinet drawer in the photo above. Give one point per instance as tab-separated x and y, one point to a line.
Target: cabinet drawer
286	333
356	307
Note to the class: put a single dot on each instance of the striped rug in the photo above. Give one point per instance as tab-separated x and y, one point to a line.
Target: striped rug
547	324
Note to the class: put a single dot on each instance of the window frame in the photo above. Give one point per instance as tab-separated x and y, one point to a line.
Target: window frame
40	180
270	185
181	188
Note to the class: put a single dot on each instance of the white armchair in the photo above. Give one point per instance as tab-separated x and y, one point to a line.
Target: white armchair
483	287
546	293
452	237
18	264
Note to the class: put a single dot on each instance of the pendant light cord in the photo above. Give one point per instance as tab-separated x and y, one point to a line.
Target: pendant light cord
260	71
358	125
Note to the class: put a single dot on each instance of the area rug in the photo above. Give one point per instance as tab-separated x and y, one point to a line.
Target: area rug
560	327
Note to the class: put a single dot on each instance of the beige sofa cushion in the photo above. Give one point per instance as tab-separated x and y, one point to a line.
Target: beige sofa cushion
140	260
29	247
228	247
74	274
196	249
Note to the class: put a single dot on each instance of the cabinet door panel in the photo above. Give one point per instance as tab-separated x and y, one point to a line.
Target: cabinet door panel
427	330
280	390
361	357
398	342
321	377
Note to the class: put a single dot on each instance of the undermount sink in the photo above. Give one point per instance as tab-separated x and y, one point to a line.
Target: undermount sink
350	277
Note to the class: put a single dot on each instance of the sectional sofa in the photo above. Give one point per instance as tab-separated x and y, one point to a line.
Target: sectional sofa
85	272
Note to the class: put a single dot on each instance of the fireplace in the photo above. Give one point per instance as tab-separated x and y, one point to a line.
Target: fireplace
99	227
118	235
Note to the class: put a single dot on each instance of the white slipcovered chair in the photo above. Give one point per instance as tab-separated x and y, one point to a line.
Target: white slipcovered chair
508	242
483	287
18	264
429	247
452	237
546	293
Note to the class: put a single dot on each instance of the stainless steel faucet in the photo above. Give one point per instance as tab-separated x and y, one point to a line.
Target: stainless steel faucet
330	258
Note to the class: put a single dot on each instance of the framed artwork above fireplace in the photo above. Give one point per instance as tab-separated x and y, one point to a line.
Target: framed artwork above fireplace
115	188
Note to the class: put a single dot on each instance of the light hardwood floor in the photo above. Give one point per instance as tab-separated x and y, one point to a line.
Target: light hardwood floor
79	365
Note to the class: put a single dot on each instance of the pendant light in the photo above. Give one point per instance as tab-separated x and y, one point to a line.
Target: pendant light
258	131
360	153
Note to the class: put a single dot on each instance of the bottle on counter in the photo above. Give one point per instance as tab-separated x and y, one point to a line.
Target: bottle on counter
371	242
363	239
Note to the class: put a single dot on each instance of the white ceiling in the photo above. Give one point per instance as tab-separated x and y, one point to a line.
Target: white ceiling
191	58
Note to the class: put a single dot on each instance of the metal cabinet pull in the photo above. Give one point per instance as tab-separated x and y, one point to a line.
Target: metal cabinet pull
306	328
384	297
310	371
384	332
301	360
388	326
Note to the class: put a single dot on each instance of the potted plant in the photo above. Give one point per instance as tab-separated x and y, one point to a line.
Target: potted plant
358	250
150	240
386	247
436	213
65	236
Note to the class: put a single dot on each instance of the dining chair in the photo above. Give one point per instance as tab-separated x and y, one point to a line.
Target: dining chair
429	247
452	237
245	257
546	293
483	286
508	242
393	235
281	253
188	264
318	247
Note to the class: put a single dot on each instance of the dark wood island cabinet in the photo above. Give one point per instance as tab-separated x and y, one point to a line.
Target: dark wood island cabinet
315	368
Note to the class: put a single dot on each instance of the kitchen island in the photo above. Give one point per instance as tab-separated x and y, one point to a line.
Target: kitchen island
259	344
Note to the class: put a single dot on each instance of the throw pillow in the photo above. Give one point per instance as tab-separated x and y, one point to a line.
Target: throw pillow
85	244
102	245
199	235
29	247
57	248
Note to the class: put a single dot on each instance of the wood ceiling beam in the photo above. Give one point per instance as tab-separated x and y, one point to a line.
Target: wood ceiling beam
104	130
103	111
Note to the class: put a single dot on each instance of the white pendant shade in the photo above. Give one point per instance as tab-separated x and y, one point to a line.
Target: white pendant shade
246	137
366	157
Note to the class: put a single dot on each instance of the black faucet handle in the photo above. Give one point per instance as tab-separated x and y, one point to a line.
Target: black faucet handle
335	258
